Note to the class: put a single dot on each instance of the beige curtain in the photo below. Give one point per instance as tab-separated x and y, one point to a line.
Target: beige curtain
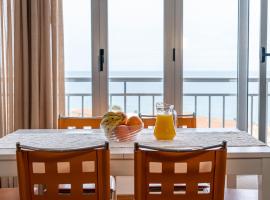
31	66
6	68
39	63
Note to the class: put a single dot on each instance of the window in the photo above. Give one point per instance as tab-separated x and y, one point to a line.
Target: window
78	62
210	61
136	54
150	45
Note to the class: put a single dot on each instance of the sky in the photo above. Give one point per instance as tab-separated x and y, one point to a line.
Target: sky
136	35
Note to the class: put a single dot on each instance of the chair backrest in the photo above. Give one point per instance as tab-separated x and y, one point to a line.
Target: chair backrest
148	120
42	173
188	121
187	169
79	122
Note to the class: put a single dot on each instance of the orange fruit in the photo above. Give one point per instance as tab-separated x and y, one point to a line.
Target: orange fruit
121	132
134	128
134	121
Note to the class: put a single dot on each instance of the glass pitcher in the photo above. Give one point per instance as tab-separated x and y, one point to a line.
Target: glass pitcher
165	122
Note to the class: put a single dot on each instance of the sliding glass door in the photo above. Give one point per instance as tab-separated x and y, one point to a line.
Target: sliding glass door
210	61
115	55
202	56
259	69
135	54
264	72
267	139
83	44
78	57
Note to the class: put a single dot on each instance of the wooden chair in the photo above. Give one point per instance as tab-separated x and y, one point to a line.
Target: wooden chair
79	122
45	173
180	174
148	120
188	121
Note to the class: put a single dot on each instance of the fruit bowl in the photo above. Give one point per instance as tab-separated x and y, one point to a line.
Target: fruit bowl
123	133
120	128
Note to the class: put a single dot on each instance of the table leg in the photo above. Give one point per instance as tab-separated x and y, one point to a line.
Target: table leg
231	181
264	180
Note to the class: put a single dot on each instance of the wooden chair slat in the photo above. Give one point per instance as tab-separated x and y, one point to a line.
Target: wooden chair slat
79	122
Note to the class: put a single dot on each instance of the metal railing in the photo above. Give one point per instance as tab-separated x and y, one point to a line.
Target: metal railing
153	96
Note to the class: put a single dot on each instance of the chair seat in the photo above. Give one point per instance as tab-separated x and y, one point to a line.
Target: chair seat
9	194
241	194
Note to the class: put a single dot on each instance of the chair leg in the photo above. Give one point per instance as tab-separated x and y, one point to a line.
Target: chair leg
113	195
113	188
231	181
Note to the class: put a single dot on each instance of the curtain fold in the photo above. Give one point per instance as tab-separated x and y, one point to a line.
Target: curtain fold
6	68
39	63
31	64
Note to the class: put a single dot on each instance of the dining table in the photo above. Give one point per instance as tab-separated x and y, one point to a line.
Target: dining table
246	155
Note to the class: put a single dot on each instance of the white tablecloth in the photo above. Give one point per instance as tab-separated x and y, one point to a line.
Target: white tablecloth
68	139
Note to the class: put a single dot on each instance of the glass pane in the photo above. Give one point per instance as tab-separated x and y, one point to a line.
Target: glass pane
77	41
254	66
135	54
268	74
210	61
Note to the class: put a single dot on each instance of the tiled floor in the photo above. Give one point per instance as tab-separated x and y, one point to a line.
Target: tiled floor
243	182
247	182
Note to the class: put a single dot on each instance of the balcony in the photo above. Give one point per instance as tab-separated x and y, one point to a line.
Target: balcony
203	103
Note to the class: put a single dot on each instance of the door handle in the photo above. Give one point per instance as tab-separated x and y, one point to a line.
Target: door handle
101	59
264	55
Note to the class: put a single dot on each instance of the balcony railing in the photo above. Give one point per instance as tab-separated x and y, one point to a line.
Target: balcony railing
195	96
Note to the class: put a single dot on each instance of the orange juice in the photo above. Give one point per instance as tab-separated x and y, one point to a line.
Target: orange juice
164	127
